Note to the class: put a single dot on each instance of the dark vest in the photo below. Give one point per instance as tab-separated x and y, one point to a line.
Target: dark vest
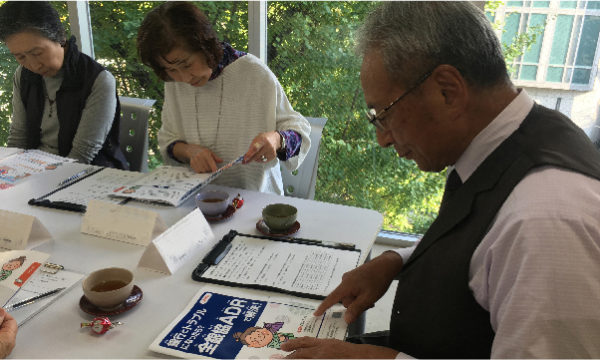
435	314
80	72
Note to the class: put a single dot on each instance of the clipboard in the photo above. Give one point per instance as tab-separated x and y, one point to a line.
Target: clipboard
294	266
63	205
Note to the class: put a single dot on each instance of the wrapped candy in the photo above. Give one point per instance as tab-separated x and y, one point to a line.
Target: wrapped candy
100	325
238	201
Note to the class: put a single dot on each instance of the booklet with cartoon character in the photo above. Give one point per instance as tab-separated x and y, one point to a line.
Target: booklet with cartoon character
16	267
226	323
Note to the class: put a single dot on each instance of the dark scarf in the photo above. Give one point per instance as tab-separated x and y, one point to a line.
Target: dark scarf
229	55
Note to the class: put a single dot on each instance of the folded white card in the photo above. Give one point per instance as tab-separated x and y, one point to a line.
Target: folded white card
20	231
179	243
123	223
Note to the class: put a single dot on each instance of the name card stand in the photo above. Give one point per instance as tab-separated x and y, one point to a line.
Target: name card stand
19	231
122	223
178	244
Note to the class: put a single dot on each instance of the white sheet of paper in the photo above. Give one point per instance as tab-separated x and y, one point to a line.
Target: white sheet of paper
20	231
288	266
171	249
40	283
122	223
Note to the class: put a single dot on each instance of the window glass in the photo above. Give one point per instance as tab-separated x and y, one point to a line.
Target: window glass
554	74
514	3
594	4
511	28
560	41
568	4
533	54
588	41
528	72
581	76
541	4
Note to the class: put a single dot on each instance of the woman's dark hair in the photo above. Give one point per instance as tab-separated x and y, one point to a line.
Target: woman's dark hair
176	24
33	16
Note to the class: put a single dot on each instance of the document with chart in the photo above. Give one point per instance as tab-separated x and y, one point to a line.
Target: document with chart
299	267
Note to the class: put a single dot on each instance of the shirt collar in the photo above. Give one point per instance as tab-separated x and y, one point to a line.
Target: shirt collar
493	135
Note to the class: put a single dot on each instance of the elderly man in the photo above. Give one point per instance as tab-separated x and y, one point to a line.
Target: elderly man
511	266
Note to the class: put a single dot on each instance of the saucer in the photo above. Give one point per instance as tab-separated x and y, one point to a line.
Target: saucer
264	229
133	299
226	215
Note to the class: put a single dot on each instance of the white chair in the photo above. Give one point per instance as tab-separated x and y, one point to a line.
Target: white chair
301	182
133	134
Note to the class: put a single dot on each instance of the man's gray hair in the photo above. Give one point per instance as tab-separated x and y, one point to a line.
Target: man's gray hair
415	36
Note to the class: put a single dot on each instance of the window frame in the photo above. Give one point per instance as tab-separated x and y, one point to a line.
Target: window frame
552	12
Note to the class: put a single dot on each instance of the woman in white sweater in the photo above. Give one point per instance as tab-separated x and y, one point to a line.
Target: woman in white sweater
219	102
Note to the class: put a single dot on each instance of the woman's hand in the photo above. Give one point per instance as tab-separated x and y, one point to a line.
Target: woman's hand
200	158
263	147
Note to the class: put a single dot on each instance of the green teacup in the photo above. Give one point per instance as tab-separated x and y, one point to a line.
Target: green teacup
279	217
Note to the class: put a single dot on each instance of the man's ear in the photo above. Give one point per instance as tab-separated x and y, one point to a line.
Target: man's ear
451	85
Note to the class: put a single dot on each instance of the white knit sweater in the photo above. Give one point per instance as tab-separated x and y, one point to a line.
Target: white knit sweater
226	114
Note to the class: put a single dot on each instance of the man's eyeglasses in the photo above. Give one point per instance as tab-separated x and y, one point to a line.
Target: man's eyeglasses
376	118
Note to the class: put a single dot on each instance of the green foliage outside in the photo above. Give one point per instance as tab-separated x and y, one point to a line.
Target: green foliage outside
311	52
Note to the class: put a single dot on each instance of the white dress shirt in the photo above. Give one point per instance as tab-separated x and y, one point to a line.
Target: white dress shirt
537	270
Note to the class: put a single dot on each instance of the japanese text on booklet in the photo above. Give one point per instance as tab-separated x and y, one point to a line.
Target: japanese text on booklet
226	323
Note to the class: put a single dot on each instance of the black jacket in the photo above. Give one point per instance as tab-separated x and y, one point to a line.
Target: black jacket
80	72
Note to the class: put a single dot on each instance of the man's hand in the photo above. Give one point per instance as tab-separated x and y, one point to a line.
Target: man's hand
8	333
312	348
363	286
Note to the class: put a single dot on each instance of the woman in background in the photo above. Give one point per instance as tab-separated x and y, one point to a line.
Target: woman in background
219	102
64	102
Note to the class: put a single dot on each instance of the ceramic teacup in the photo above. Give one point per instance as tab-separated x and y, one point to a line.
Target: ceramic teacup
279	217
108	288
212	202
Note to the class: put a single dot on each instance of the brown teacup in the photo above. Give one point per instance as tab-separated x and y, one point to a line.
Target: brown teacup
108	288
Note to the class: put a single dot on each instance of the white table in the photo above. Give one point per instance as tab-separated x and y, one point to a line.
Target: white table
56	333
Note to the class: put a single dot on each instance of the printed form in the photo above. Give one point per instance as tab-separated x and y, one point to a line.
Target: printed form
288	266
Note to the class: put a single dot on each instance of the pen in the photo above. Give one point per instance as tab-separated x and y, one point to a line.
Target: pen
32	299
73	177
333	244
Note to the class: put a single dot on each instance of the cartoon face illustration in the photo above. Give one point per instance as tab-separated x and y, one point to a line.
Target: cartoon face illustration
13	264
259	338
8	267
267	336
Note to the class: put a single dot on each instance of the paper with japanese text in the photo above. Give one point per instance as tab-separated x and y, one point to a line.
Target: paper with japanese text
279	265
227	323
16	267
18	165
